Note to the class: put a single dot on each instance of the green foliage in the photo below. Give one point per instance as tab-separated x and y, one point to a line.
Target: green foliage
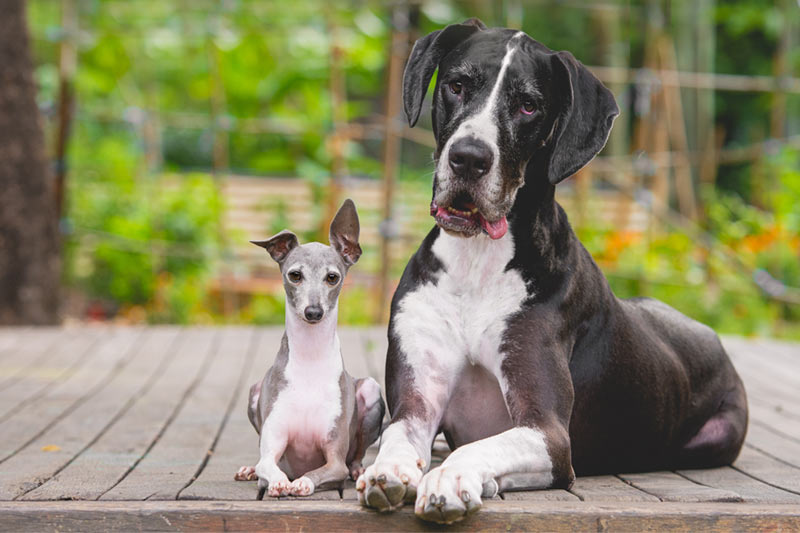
138	241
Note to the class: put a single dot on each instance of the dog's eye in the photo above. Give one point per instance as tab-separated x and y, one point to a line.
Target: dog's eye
455	87
527	107
295	276
332	278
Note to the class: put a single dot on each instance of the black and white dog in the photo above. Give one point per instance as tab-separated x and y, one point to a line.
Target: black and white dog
504	334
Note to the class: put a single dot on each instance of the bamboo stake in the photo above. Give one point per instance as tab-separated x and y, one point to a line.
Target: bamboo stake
391	151
339	136
676	128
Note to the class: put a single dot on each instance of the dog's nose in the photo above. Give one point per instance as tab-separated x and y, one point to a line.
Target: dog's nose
470	158
313	313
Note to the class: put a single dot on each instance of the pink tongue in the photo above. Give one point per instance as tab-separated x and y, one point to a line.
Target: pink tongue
495	229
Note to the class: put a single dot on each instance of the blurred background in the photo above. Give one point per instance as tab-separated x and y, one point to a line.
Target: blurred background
174	132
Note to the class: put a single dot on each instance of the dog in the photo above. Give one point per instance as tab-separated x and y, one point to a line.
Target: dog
314	420
504	334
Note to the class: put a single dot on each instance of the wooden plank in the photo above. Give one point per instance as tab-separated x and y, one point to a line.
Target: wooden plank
71	434
175	458
767	469
86	429
349	516
608	489
112	457
61	398
21	348
551	495
670	487
65	359
751	490
775	444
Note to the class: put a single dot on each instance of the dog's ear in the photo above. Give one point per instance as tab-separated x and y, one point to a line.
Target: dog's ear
344	233
581	129
280	245
425	57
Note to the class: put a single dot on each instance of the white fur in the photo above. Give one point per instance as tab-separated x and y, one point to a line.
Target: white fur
516	458
482	126
305	411
460	318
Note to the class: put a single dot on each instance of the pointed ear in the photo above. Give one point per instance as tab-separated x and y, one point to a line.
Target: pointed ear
280	245
344	233
588	110
425	57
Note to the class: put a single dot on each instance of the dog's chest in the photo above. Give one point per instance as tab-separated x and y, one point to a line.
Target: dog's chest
310	403
462	315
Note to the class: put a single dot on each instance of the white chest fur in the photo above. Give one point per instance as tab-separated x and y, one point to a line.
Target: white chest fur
310	403
460	317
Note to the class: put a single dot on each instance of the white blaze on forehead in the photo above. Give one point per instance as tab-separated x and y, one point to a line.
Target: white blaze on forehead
483	125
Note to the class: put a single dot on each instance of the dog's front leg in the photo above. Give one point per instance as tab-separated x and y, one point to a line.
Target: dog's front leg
416	405
517	458
271	478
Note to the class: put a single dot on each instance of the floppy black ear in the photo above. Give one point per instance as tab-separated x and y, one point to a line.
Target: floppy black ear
280	245
344	231
425	57
588	110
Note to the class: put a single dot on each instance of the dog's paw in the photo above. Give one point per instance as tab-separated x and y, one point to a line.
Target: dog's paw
301	486
448	494
386	485
356	469
281	487
246	473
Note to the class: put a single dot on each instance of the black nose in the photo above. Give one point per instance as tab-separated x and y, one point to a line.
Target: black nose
313	313
470	158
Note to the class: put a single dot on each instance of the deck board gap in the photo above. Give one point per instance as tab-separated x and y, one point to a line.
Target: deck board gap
151	380
173	415
243	374
116	368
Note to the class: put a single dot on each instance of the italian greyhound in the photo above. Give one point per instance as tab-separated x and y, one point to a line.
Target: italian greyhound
314	420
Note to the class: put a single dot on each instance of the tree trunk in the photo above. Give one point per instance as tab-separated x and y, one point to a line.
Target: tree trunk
29	242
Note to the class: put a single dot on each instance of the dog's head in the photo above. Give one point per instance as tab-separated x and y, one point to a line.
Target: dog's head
501	101
313	273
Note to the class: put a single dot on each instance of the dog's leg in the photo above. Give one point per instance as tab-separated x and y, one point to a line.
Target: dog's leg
371	409
248	473
270	477
534	454
483	468
331	474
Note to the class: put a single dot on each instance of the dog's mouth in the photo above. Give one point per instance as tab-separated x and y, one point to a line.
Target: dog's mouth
463	216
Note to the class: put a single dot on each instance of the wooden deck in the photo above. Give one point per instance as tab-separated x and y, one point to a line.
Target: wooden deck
106	428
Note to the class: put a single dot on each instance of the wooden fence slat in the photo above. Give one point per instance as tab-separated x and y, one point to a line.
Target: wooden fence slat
171	464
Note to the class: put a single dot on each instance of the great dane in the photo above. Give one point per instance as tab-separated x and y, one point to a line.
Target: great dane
504	334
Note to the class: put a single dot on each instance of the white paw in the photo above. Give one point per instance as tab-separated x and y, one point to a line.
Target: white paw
280	487
448	494
386	485
245	473
301	486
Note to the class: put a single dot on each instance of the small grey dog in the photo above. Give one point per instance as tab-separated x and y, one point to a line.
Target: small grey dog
314	420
